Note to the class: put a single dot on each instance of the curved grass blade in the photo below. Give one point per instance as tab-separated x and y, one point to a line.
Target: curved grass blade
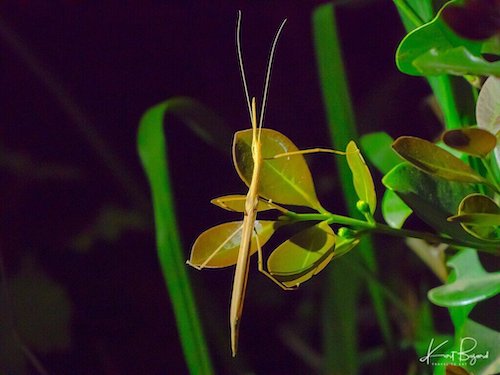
152	149
218	246
285	180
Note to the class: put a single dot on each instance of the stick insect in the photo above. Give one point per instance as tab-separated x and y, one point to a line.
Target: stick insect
252	198
244	233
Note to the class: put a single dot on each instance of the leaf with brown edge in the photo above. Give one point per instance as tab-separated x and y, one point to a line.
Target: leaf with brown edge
236	203
285	180
218	246
472	141
361	176
303	255
480	216
433	160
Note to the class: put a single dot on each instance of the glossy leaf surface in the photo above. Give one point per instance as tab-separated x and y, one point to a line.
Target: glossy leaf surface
236	203
434	49
480	216
219	246
377	149
303	255
361	176
457	61
473	141
432	199
394	210
285	180
434	160
471	283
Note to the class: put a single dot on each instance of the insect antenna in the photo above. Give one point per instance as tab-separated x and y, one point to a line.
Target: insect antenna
240	61
268	75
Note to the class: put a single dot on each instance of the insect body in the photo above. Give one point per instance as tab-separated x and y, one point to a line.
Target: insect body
252	198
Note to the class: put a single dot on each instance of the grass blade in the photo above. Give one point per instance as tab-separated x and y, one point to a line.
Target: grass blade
340	117
152	149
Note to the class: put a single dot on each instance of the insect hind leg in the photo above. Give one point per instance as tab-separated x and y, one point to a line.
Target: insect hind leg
260	265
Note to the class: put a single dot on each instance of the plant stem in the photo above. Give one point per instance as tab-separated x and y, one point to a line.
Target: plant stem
409	12
491	174
365	227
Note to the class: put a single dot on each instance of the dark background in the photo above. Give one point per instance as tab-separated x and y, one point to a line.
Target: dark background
75	77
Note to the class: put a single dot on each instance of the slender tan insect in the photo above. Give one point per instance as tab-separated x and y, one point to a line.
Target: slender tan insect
245	232
252	198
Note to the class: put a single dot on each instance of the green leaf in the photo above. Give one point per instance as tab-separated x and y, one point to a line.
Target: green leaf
377	149
285	180
236	203
434	160
303	255
473	141
394	210
430	39
433	200
218	246
457	61
480	216
361	176
152	148
469	285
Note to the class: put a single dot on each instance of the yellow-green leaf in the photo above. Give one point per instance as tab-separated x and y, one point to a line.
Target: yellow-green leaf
362	178
480	216
433	160
236	203
285	180
218	246
473	141
303	255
